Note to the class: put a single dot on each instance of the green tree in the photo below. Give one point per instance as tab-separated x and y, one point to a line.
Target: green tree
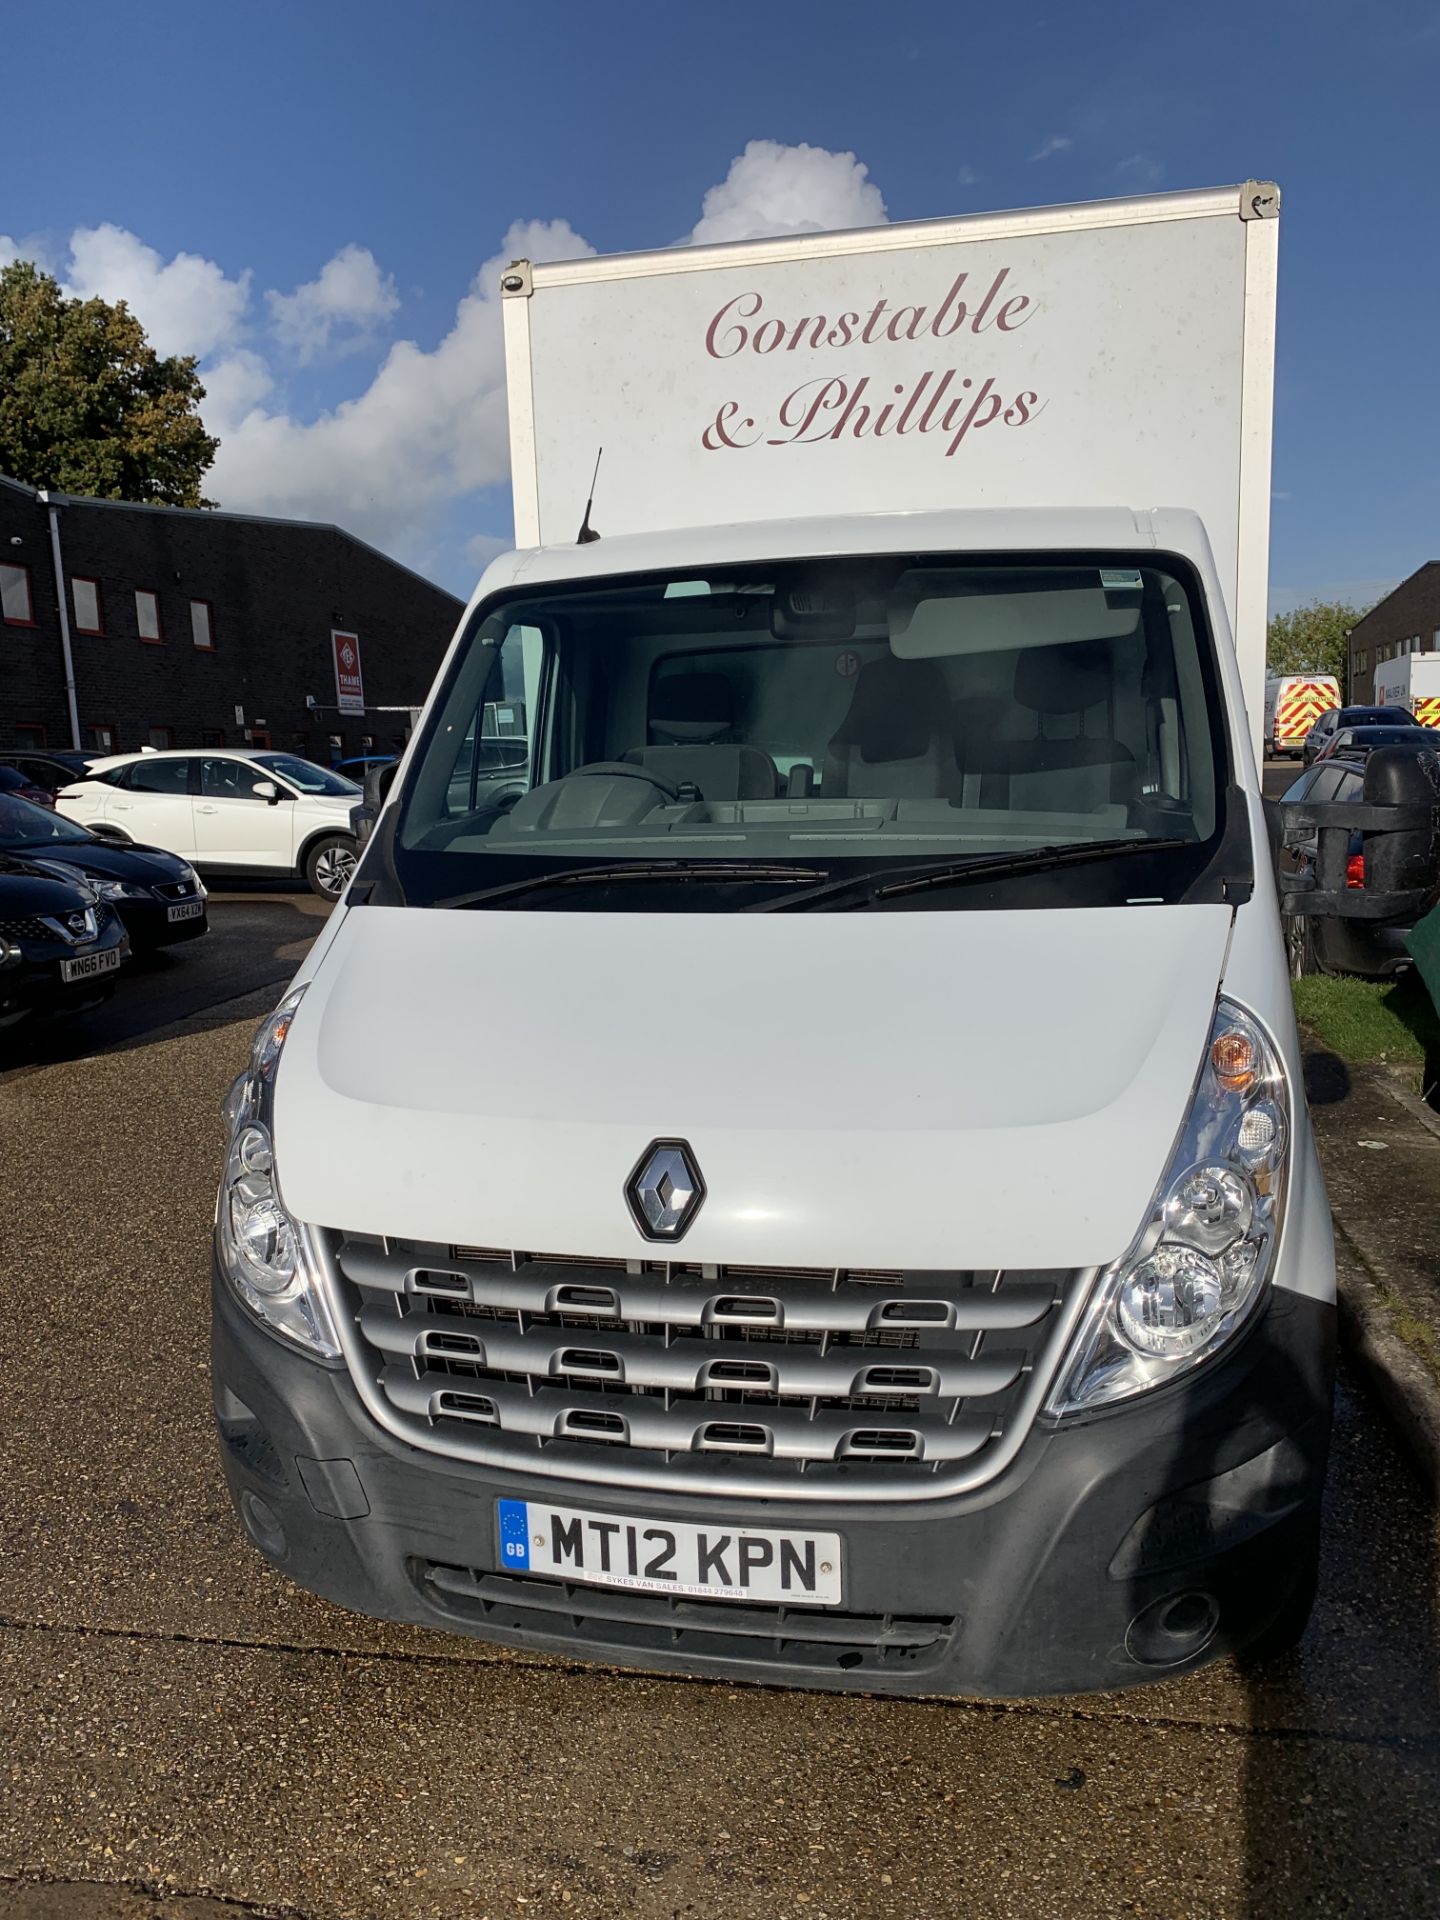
87	405
1311	639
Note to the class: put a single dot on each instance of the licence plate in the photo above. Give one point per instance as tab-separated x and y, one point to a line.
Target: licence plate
775	1567
89	964
191	910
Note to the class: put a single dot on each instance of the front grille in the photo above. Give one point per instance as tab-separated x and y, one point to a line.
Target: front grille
614	1368
32	928
175	889
724	1629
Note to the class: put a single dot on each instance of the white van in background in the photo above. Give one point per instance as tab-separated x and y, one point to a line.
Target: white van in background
800	1170
1293	703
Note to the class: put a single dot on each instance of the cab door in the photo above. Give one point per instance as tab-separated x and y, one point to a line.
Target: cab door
152	804
237	827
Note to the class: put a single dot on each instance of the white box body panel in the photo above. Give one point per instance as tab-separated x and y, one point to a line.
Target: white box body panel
1411	681
1117	354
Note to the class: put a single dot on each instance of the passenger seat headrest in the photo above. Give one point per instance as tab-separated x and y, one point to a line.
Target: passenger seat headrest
691	706
897	709
1063	679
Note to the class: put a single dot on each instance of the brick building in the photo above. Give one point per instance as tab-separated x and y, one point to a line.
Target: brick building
196	628
1407	620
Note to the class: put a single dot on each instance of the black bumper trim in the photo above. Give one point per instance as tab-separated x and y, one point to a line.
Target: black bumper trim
1043	1572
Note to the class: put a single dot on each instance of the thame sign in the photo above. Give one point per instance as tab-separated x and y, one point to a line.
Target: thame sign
349	687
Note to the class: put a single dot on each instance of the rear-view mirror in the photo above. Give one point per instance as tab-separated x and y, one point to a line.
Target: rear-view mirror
266	790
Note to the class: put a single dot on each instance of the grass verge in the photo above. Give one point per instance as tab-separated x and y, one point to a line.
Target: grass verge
1390	1021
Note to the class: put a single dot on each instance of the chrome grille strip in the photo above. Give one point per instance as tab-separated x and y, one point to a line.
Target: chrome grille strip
688	1300
687	1364
750	1382
688	1425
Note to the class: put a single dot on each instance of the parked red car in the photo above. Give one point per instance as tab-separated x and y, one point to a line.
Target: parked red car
12	781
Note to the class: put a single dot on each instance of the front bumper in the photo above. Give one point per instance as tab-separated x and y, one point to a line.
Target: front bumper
35	986
1062	1575
1374	950
150	926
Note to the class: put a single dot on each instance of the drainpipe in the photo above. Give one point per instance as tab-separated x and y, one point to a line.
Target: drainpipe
60	601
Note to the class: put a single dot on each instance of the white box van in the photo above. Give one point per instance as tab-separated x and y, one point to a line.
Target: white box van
789	1160
1412	681
1293	703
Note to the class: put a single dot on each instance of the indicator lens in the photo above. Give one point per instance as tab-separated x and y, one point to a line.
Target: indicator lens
1233	1056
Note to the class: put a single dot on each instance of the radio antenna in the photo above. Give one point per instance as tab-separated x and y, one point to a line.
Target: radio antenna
587	533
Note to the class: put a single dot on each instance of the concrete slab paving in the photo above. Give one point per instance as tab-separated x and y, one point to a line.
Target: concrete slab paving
358	1786
165	1696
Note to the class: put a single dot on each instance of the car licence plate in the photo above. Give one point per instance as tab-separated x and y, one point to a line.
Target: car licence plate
89	964
775	1567
190	910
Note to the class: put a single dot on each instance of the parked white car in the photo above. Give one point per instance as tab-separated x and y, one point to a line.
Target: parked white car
227	809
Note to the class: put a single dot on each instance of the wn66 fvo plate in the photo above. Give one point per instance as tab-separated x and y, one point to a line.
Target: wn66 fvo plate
773	1567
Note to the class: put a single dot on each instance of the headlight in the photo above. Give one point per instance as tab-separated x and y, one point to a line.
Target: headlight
264	1253
1198	1266
121	890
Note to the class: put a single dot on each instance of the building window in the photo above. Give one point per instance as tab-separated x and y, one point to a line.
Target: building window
85	599
147	614
29	735
98	739
16	607
212	736
202	631
161	737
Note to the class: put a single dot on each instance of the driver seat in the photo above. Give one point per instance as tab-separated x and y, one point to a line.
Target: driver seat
692	721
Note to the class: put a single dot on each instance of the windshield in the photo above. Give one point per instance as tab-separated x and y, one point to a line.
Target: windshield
25	825
305	775
818	713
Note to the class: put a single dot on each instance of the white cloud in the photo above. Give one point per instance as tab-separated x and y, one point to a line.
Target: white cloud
338	311
34	248
433	425
430	427
772	189
186	305
482	548
235	385
1057	143
1143	168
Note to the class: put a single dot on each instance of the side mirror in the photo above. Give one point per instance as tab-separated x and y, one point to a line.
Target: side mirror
378	782
266	790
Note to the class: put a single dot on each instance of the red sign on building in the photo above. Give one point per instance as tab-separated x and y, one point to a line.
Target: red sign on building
349	688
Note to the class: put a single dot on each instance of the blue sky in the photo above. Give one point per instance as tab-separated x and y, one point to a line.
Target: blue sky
265	140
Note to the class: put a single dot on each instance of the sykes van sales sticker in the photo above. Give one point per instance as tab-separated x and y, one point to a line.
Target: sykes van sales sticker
759	1564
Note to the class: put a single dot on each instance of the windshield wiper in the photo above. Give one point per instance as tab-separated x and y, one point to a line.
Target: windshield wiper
875	884
681	870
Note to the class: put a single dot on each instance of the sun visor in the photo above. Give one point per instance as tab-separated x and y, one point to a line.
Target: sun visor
934	626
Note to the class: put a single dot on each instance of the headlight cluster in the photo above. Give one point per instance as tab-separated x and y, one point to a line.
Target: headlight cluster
1199	1263
264	1253
121	890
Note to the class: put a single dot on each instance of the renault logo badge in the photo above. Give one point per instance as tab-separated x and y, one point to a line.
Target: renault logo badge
665	1191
